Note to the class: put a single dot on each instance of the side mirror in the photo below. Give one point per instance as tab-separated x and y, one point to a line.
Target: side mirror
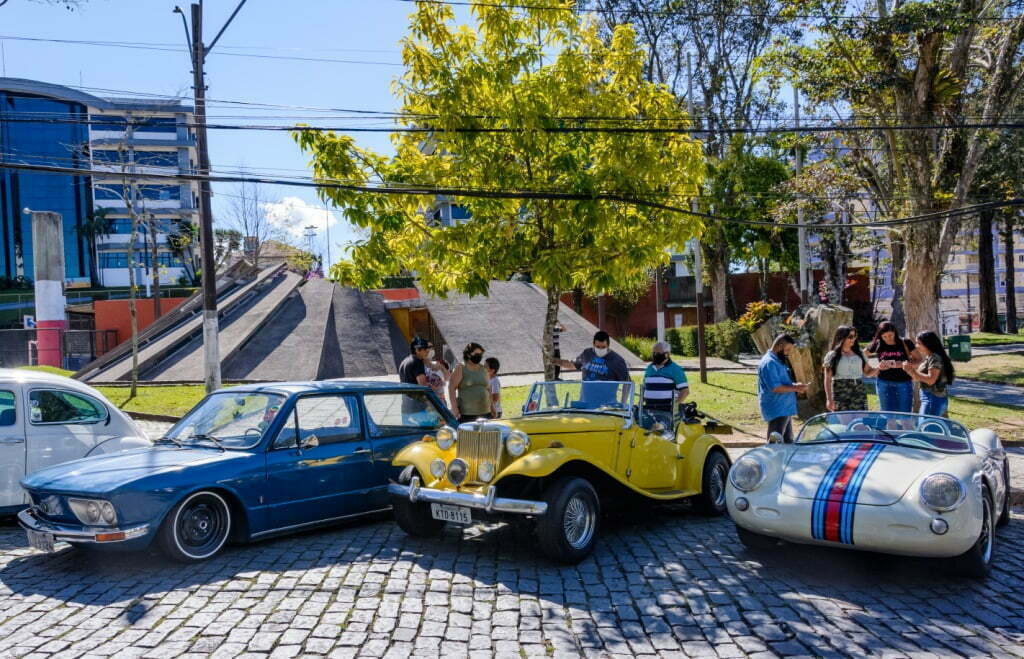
775	438
310	442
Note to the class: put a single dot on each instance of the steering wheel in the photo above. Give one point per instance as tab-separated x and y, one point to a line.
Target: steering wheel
917	439
858	425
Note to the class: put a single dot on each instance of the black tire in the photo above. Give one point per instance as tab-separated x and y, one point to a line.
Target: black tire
197	528
567	532
755	541
1004	516
711	500
414	518
976	561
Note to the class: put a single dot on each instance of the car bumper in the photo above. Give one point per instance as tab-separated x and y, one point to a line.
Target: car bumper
488	502
62	533
902	528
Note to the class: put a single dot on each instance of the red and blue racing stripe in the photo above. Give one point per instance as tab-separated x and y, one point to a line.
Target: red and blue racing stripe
835	501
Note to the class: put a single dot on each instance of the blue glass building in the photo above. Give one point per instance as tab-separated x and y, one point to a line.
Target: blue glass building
45	124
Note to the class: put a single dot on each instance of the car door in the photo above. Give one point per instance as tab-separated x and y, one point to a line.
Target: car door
12	447
395	419
62	425
320	465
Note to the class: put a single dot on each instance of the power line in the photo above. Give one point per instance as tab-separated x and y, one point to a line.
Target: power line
419	190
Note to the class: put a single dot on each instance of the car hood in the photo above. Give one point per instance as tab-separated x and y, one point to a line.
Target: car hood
885	472
103	473
565	422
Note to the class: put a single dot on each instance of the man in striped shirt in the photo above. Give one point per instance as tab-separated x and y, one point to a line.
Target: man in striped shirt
665	385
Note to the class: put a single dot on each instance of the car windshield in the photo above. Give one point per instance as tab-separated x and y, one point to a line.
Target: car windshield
931	433
589	397
228	420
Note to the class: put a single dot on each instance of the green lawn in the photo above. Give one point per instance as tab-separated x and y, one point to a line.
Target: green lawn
172	400
1006	368
988	339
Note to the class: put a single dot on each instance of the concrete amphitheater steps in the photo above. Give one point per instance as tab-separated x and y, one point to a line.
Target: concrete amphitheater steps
292	343
177	330
365	334
237	326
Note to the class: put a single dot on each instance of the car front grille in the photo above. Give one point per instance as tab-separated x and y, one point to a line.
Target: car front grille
476	446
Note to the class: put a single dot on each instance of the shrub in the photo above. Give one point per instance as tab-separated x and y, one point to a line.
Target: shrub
683	341
757	314
728	337
640	346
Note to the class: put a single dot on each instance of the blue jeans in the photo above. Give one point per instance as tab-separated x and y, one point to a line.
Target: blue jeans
933	405
894	396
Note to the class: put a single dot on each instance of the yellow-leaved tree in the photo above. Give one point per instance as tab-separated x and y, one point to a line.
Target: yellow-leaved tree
532	128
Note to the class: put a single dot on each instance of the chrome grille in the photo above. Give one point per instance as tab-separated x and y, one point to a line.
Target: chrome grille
476	446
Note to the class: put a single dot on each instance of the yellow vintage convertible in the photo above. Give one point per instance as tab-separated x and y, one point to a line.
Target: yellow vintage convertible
578	446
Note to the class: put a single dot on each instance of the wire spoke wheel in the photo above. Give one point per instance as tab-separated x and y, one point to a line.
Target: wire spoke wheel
716	484
578	522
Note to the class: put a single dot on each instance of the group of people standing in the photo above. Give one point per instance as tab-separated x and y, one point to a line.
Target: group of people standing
901	363
472	387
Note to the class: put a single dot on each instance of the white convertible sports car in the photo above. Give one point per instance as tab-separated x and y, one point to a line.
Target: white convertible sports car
877	481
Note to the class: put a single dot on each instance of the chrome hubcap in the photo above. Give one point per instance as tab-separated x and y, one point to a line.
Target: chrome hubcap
579	522
716	488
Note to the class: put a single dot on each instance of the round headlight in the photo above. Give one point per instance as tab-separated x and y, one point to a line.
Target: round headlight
518	443
485	471
747	474
457	472
445	437
942	492
92	511
107	512
437	467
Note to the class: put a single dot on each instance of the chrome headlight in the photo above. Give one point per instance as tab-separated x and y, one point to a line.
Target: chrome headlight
518	443
93	512
437	467
747	474
445	437
942	492
458	469
485	471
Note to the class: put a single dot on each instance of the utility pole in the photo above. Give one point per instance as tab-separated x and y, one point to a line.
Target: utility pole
801	231
698	262
327	229
211	342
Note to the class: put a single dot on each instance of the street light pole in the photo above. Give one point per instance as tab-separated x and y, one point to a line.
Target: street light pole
801	231
211	342
698	265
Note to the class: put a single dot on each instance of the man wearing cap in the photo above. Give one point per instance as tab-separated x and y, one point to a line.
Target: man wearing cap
413	368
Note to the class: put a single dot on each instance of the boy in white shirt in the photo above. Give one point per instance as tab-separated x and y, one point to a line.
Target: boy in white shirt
492	371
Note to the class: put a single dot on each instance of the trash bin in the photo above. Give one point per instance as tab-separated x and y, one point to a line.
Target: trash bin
959	347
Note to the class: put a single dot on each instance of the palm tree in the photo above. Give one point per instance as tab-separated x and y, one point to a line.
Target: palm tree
95	225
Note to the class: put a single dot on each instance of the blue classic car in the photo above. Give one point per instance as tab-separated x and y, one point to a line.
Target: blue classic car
246	463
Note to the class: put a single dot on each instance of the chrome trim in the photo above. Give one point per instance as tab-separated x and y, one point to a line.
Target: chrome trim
489	502
29	522
319	521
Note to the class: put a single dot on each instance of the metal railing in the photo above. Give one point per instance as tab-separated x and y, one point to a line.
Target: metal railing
20	347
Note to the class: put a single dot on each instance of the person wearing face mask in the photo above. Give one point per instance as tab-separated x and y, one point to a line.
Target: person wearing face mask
413	369
469	387
776	391
599	363
664	385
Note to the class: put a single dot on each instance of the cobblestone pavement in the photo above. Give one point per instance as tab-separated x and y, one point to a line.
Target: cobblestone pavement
673	584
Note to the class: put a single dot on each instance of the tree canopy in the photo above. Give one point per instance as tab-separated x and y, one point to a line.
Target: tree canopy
524	71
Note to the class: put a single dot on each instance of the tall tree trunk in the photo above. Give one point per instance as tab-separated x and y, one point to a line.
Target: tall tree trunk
1010	272
716	265
897	256
132	310
987	305
550	320
921	282
155	270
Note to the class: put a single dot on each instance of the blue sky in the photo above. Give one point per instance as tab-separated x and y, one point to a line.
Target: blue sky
365	30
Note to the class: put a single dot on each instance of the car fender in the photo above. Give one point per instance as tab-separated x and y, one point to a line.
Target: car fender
115	444
546	461
420	454
694	451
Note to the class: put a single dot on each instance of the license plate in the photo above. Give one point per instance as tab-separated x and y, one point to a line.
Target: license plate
456	514
40	541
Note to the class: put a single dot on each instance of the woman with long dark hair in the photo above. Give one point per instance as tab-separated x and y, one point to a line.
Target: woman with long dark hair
935	374
895	388
469	386
845	368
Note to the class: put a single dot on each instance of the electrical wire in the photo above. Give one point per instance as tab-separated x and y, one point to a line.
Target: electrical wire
419	190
